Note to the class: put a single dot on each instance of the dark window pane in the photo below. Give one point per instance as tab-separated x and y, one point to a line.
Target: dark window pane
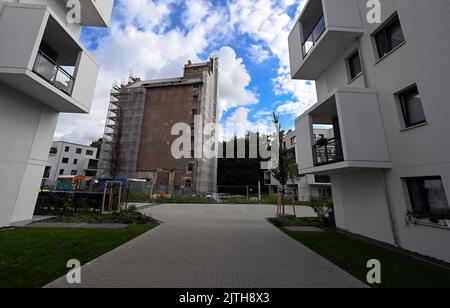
395	35
65	160
61	172
354	65
427	195
389	37
382	45
412	107
67	149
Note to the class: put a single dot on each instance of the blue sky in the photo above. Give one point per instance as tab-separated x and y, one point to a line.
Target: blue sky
155	38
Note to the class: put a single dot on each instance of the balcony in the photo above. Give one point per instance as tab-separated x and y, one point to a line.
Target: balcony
42	60
324	31
356	136
96	13
53	73
327	151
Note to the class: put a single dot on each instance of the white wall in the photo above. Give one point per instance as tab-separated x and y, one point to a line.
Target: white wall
26	131
361	205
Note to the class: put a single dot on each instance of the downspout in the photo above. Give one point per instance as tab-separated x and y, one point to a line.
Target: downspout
363	67
391	212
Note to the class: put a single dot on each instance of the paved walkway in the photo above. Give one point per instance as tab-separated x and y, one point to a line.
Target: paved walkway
213	246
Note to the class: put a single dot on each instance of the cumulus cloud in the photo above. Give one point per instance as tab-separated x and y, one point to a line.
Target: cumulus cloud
145	39
258	54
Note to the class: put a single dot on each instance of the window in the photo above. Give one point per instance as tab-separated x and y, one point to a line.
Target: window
53	151
73	172
191	167
412	109
47	172
61	171
354	65
66	149
326	179
75	161
65	160
293	141
89	152
427	195
78	151
188	183
389	37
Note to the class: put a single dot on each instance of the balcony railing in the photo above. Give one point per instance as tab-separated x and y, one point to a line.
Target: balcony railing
53	73
314	36
328	151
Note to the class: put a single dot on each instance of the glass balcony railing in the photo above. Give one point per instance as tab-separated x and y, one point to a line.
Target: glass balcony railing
53	73
328	151
314	36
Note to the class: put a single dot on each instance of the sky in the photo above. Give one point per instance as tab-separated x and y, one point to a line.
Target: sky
153	39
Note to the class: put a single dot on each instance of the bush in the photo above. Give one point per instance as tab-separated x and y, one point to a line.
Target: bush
323	207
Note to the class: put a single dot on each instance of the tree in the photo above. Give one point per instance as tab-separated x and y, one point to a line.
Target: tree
287	168
97	144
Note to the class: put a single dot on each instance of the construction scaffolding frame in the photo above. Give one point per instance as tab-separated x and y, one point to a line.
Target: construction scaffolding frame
122	135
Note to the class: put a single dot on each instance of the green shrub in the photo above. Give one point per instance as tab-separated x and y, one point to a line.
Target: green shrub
323	207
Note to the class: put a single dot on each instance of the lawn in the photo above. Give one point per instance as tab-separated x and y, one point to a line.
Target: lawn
31	258
398	270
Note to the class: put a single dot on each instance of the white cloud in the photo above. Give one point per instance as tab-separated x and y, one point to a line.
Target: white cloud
293	109
143	39
234	81
258	54
239	123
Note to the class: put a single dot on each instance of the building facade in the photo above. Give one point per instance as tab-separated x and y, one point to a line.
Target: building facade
138	135
70	159
384	89
307	186
44	70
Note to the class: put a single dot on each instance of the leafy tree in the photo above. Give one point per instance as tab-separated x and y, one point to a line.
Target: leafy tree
287	168
97	144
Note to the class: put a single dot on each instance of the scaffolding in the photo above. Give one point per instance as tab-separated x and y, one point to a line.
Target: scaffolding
122	135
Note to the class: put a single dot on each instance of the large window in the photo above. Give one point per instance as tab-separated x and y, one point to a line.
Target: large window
354	65
66	149
427	195
412	109
65	160
89	152
389	37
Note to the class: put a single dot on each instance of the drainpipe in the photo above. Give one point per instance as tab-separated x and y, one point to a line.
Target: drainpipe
363	67
392	219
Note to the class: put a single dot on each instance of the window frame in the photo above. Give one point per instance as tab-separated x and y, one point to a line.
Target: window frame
382	29
61	171
65	160
349	67
407	123
408	181
67	149
79	151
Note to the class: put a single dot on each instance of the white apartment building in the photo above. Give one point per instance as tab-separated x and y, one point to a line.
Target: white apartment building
307	186
70	159
44	70
385	89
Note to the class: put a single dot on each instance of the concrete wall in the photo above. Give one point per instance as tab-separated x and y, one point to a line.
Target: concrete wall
360	199
26	131
361	204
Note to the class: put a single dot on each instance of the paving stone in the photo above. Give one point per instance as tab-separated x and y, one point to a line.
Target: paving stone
212	246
